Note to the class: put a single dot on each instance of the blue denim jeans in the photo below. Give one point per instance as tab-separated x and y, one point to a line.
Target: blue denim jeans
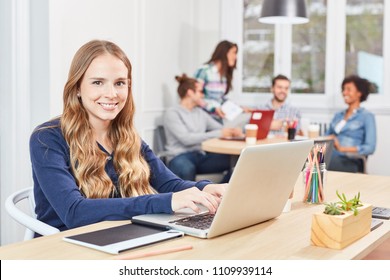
187	165
345	164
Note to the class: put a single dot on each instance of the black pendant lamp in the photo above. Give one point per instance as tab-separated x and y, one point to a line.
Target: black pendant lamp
283	12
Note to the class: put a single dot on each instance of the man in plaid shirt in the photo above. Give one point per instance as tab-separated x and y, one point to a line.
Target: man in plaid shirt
285	114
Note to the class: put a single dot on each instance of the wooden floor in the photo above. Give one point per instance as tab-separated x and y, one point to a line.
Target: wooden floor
382	252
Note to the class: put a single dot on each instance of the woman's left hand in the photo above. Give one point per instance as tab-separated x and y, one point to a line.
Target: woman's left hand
216	189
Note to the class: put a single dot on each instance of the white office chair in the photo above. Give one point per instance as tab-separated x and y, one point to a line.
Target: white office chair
28	220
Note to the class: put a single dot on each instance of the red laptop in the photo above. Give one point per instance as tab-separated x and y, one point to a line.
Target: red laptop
263	119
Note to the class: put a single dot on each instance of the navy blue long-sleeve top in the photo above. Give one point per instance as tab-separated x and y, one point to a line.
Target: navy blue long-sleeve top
59	201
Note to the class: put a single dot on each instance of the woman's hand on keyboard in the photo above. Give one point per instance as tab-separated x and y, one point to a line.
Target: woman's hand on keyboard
216	189
190	197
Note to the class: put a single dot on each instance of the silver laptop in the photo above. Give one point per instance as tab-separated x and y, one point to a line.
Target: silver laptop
259	187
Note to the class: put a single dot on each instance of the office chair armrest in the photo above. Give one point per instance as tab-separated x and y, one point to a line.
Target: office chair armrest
357	156
363	158
26	220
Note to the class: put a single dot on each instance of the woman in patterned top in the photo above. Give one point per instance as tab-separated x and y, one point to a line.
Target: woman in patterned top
216	76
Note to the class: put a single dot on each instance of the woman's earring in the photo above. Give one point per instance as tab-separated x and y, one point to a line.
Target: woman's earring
78	95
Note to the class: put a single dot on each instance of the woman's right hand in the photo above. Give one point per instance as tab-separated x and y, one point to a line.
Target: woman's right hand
219	113
190	197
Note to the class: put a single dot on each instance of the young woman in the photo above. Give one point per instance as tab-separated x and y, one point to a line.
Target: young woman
186	126
353	129
217	75
90	164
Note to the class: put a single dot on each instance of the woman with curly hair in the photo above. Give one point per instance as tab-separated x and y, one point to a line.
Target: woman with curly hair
353	129
90	164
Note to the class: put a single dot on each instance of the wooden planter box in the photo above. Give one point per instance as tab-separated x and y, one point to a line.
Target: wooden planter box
339	231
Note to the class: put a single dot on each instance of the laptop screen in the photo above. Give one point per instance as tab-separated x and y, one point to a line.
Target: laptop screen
263	119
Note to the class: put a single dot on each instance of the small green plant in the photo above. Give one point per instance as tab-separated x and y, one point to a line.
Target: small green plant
349	205
332	208
339	207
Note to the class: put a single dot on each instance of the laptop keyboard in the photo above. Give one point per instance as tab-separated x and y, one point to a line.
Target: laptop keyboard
202	221
381	213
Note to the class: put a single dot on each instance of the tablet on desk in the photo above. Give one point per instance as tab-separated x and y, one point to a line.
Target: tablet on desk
118	239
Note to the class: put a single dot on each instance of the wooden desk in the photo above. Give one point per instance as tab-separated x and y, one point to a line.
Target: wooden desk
286	237
230	147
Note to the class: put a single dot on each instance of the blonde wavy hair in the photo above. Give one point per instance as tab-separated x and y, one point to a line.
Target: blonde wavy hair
87	159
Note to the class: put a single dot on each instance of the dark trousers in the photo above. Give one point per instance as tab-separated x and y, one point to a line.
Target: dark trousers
345	164
187	165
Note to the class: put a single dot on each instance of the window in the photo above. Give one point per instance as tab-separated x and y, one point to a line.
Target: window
364	37
342	38
258	50
308	51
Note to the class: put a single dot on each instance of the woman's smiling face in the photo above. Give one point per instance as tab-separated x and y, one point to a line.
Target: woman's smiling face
104	89
351	94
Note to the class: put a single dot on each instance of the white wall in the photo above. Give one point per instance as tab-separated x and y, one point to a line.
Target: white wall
161	38
159	44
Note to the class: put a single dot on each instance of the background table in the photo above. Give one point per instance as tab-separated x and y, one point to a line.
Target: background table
231	147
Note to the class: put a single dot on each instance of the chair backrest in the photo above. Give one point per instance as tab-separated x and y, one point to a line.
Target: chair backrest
29	220
329	148
159	143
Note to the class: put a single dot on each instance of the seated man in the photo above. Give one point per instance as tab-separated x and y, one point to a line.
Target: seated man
186	127
285	114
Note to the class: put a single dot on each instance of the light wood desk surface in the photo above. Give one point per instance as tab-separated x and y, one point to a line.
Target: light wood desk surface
286	237
230	147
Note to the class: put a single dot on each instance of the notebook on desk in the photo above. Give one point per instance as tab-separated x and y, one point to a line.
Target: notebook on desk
118	239
260	185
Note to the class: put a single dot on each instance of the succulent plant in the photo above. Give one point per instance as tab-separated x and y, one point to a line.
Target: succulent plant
332	208
349	205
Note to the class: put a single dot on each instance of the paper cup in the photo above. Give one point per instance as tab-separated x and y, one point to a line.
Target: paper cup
314	131
251	134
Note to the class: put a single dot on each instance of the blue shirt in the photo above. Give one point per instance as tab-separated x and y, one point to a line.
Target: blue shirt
359	131
59	201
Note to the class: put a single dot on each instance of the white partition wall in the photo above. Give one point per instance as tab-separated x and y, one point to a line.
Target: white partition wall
15	96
